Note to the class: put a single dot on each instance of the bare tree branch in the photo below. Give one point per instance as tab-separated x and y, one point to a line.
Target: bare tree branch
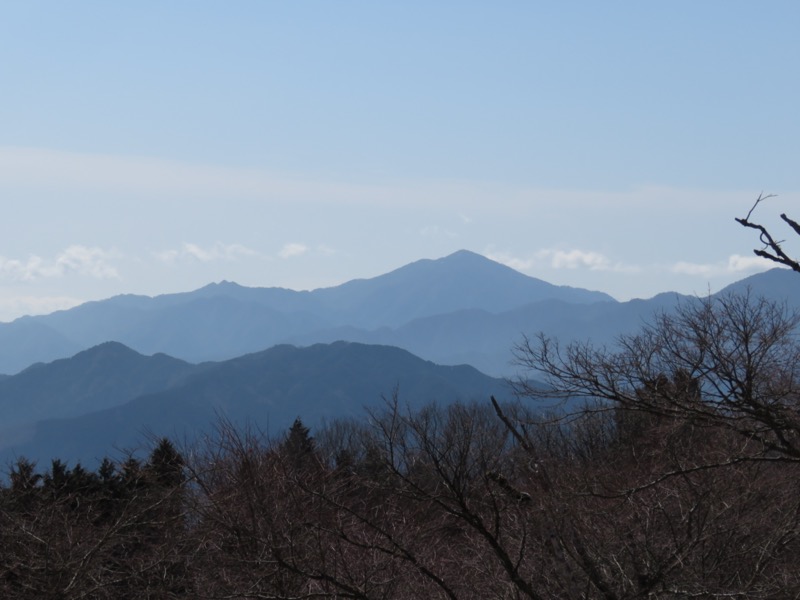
773	249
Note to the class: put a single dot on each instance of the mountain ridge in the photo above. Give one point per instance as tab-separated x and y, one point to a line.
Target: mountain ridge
323	365
223	320
98	377
268	389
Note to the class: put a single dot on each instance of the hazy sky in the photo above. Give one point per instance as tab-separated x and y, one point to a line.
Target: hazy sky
152	147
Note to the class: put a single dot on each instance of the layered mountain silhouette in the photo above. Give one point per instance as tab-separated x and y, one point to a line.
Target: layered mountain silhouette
225	320
110	398
463	308
176	364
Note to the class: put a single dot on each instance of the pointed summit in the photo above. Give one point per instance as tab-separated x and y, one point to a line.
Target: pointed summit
459	281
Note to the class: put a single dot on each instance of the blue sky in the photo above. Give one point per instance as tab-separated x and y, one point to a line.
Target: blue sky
154	147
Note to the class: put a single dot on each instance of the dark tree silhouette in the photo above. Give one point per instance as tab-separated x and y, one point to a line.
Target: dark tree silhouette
165	464
772	249
299	446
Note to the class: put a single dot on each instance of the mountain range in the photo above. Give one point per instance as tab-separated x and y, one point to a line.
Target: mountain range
225	320
463	308
100	376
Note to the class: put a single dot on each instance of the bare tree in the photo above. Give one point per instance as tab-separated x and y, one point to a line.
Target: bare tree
722	362
772	249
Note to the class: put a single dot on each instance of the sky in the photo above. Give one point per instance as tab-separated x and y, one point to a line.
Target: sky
155	147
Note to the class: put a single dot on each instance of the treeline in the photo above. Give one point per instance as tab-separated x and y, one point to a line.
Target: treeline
676	477
119	532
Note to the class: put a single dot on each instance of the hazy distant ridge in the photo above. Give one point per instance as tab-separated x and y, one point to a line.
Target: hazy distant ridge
463	308
225	320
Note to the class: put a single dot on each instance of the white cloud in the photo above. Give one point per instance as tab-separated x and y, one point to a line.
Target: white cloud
86	261
516	263
738	263
78	259
687	268
735	264
562	259
167	256
215	252
574	259
292	249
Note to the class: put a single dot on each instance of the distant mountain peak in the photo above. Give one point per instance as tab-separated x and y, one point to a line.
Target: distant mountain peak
460	261
463	253
459	256
475	259
109	346
222	285
105	350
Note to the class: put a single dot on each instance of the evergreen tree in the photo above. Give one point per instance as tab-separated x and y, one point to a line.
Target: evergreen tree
299	447
56	480
165	465
23	476
107	471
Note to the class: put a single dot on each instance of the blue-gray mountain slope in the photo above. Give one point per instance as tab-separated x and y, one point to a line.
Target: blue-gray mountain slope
486	339
97	378
268	389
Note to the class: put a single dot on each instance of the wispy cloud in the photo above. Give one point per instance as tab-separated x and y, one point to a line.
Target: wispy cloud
44	168
75	259
687	268
85	173
217	251
595	261
220	251
515	262
292	250
736	263
577	259
562	259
